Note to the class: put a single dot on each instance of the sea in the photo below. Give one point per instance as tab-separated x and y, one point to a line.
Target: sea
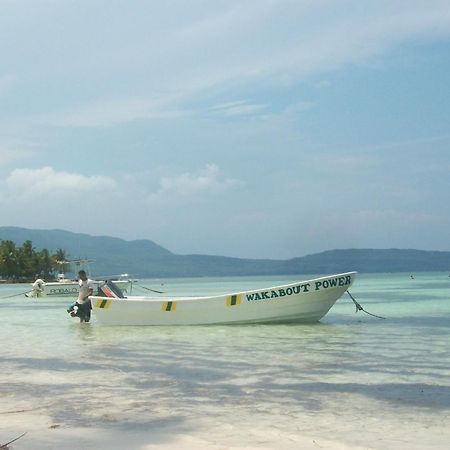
351	381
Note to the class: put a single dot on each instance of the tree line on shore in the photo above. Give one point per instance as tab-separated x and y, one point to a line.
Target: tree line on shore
25	263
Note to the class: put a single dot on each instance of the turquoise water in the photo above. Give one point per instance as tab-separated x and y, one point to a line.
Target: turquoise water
350	381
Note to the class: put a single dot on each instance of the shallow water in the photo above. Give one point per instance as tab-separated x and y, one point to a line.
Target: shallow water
351	379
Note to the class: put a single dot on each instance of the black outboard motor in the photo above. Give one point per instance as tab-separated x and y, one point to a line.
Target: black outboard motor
110	289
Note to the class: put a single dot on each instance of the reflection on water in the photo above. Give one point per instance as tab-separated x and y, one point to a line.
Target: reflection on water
391	377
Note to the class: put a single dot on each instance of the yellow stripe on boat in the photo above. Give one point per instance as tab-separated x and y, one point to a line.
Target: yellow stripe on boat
169	306
102	303
233	300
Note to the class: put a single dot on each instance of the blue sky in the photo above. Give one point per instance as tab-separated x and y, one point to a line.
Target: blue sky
258	128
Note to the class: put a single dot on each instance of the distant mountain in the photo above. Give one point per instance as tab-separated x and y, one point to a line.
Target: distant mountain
375	260
144	258
112	255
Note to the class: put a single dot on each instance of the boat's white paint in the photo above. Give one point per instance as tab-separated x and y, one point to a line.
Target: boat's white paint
305	301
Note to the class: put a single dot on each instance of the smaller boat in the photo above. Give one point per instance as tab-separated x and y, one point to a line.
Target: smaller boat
303	301
66	287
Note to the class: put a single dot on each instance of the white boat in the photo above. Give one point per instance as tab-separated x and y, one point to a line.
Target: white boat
66	287
304	301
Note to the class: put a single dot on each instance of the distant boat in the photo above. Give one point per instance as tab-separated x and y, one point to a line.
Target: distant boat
65	287
303	301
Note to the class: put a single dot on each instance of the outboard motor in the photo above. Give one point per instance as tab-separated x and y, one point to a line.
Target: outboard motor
110	289
107	289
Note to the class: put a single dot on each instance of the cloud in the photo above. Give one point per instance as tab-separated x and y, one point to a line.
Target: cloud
238	108
256	40
46	183
187	185
111	112
206	48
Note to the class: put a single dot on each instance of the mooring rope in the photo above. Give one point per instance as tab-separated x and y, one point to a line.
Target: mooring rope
5	446
148	289
360	308
15	295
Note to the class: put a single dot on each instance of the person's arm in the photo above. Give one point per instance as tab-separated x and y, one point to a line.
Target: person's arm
90	291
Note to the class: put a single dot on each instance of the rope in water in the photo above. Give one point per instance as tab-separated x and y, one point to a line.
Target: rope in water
360	308
15	295
148	289
5	446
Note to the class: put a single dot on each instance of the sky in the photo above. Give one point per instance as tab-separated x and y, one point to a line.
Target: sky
245	128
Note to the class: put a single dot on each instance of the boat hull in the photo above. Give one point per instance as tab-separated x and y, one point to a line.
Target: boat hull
305	301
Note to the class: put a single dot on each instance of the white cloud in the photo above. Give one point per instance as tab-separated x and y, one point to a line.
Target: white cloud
46	183
169	59
238	108
190	185
256	39
111	112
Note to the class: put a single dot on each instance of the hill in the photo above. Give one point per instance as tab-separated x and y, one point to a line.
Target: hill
145	258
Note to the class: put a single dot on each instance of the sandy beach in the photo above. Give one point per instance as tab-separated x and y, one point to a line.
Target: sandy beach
42	434
114	414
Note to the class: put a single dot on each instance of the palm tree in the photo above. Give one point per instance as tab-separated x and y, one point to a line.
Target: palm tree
28	263
8	259
60	262
45	264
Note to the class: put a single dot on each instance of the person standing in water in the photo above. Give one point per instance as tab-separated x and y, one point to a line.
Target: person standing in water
82	307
